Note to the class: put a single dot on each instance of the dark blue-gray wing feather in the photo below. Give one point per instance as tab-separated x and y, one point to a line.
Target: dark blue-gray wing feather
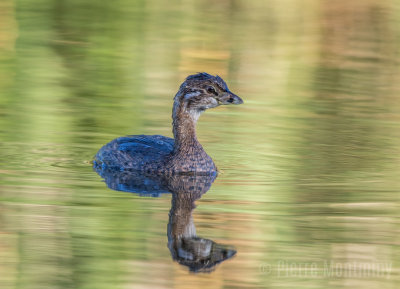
133	152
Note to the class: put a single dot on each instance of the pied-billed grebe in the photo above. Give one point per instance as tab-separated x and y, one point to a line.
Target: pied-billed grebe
184	153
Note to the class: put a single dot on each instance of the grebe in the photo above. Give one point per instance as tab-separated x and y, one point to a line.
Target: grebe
156	154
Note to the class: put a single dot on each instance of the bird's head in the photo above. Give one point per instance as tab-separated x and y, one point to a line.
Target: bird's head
203	91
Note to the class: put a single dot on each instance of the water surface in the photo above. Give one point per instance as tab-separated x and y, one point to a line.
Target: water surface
308	193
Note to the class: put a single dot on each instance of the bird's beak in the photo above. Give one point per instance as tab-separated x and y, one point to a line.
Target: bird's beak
230	98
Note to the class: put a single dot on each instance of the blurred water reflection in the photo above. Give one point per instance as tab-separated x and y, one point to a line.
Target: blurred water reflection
311	174
186	247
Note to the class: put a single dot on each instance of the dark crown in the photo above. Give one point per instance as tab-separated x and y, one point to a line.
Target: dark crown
203	76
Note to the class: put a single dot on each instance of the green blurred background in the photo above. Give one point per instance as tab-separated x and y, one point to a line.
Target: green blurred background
310	162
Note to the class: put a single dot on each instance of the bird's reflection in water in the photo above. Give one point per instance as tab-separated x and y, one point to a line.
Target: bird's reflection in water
199	254
186	247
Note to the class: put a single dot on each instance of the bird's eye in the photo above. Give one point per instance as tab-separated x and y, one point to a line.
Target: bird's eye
211	89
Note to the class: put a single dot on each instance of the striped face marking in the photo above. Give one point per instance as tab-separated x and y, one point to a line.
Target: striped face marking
192	94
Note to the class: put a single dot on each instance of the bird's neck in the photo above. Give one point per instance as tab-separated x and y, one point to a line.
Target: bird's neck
184	129
180	217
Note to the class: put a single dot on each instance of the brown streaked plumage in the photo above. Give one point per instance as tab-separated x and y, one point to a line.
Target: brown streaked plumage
184	153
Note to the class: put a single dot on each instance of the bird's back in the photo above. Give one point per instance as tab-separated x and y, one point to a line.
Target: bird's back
133	152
